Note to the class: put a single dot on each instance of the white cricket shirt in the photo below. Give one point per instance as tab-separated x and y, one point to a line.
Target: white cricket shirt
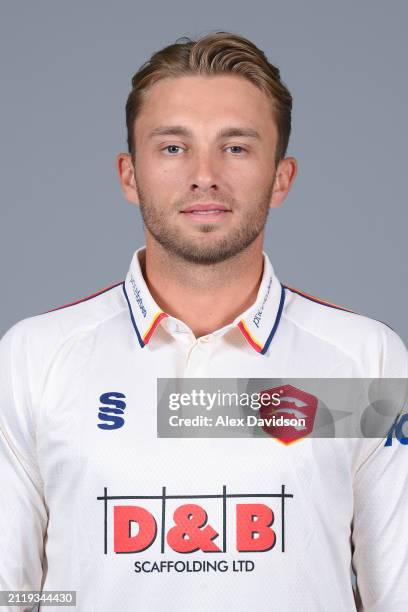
270	527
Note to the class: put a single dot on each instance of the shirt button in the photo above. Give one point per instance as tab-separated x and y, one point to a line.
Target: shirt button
205	338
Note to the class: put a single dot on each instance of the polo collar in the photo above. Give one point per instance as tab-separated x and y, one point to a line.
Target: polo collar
144	312
258	323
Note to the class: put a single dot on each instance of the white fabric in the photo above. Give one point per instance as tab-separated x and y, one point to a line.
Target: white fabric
348	494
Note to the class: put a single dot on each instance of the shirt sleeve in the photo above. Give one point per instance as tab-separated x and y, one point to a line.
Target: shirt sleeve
380	487
23	514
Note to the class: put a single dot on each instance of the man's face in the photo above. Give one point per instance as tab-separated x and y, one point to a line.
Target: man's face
205	165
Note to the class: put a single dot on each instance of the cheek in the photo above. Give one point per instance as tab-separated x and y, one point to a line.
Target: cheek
150	177
161	185
248	179
156	174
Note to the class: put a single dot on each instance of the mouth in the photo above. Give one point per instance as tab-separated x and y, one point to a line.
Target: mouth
210	211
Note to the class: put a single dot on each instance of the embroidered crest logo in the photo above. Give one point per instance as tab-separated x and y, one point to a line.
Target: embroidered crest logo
294	415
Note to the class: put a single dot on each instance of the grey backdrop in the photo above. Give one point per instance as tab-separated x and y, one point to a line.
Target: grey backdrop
66	230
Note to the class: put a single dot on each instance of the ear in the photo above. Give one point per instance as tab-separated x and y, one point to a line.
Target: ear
126	172
284	179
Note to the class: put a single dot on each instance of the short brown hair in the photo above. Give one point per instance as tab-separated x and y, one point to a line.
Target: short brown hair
215	53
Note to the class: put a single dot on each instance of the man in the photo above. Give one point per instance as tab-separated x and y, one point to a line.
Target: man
93	500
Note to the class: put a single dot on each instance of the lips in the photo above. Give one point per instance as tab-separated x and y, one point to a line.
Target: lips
210	207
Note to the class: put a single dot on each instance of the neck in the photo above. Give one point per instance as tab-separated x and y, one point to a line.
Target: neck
204	297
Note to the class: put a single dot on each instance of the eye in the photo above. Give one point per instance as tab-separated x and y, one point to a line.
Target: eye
171	147
236	147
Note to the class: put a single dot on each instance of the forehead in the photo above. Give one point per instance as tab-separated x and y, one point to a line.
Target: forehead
205	99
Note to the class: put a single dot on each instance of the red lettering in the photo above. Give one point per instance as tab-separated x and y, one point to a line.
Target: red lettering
123	517
187	535
254	519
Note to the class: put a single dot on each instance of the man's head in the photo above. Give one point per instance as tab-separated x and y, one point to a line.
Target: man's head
208	127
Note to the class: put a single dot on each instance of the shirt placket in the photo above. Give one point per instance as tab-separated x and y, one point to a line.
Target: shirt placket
198	357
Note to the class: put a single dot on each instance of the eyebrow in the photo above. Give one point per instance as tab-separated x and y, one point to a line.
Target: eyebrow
180	130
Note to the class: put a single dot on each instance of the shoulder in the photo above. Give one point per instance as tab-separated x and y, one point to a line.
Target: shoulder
35	338
29	349
372	344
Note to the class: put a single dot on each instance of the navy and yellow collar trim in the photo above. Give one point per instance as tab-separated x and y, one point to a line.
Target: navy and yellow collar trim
144	312
258	323
253	338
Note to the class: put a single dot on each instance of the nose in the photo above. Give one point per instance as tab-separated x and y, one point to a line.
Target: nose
204	172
